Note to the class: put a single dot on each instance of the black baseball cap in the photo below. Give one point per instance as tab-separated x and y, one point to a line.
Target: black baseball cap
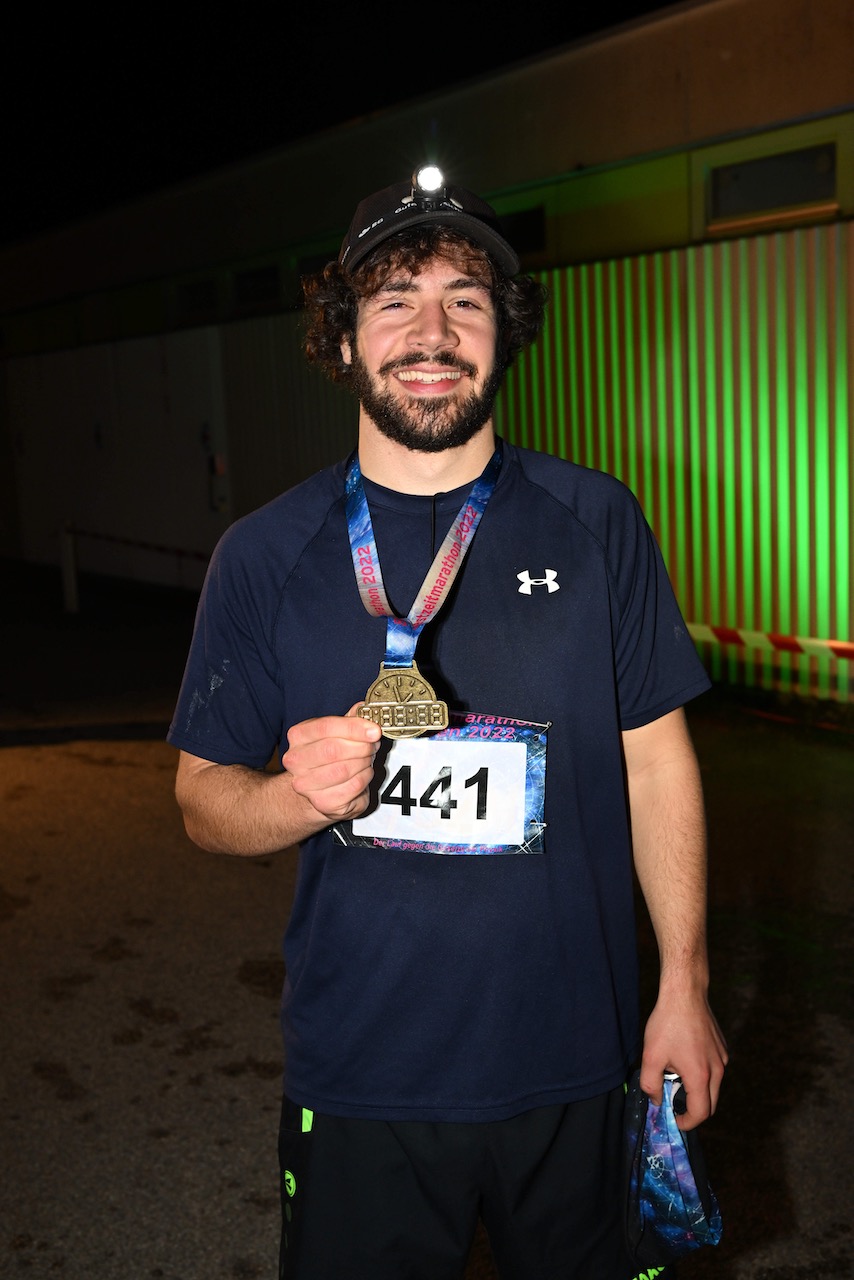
425	198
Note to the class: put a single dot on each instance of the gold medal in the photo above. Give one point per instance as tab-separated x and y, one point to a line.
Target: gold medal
403	704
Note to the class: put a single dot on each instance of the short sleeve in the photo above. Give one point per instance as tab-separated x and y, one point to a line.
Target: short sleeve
230	706
656	664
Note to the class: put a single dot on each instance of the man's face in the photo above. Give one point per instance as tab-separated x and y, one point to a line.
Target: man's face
423	364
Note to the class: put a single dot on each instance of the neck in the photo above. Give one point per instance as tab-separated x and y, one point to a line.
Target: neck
410	471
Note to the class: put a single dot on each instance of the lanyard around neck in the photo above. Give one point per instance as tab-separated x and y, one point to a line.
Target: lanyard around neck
402	633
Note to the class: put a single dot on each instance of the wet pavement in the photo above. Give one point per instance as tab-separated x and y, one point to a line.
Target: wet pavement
139	977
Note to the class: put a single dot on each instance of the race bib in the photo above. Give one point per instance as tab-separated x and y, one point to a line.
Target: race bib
477	787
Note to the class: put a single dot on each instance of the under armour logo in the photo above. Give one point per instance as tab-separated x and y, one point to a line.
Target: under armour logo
528	583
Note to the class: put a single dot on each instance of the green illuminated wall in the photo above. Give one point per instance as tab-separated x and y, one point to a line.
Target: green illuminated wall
716	382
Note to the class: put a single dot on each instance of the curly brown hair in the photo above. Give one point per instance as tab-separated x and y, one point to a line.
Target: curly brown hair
332	295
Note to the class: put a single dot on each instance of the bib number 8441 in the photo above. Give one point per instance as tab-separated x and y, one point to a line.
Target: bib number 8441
452	792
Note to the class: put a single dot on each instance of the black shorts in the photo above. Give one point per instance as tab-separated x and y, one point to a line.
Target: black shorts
376	1200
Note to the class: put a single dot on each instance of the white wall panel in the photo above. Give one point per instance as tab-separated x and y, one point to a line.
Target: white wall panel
285	421
115	441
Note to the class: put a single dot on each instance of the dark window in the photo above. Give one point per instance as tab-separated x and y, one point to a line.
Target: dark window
800	177
198	298
256	287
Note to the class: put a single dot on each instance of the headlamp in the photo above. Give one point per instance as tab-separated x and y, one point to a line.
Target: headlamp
427	180
426	199
428	188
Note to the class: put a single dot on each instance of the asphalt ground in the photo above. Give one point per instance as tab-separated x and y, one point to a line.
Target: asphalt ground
139	978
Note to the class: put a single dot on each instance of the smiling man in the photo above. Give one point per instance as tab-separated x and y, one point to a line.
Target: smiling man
469	662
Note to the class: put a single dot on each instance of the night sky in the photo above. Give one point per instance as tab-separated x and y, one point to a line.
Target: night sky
96	112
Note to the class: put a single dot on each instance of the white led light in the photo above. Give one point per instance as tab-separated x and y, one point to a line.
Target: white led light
429	178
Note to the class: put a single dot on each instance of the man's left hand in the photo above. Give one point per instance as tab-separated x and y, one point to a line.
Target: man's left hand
683	1036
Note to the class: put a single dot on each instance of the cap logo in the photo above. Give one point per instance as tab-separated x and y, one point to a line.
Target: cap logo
370	227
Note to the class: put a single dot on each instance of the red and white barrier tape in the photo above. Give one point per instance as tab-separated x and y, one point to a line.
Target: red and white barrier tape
771	640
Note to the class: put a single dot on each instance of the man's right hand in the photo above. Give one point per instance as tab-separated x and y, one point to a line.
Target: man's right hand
330	761
230	808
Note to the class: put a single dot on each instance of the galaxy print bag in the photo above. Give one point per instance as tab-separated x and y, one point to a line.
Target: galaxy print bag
670	1207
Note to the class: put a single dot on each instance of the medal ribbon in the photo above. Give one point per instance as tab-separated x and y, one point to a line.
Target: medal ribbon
402	633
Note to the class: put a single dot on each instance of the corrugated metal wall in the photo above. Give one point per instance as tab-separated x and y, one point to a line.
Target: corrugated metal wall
716	382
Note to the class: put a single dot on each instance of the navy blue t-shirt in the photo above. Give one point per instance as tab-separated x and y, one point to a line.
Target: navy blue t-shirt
429	987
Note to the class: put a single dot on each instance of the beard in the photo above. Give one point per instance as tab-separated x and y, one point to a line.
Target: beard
431	424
